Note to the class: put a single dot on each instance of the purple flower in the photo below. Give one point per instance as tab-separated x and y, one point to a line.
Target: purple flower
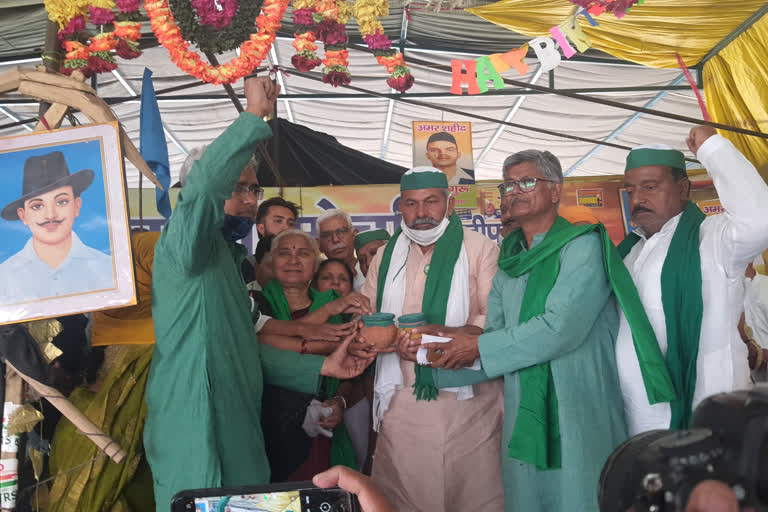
209	13
76	24
128	5
378	41
303	17
100	16
332	33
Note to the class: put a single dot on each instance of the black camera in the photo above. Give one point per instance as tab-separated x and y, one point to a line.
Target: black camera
656	471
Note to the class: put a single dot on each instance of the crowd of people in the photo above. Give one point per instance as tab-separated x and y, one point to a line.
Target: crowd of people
546	353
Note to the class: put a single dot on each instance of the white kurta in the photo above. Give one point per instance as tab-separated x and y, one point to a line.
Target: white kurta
728	242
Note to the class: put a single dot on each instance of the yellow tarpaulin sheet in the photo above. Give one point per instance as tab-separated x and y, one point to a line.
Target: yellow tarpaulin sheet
649	34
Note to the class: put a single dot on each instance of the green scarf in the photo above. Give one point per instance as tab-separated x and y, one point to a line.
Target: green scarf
342	450
683	308
436	291
536	434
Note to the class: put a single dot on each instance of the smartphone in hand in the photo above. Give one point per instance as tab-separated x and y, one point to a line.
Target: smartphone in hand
287	497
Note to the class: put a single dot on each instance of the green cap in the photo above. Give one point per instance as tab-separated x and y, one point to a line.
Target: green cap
420	178
367	237
655	154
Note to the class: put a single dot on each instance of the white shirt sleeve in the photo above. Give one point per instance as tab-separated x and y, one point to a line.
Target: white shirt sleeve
744	195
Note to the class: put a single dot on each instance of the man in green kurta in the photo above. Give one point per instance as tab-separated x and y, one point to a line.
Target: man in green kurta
203	427
550	332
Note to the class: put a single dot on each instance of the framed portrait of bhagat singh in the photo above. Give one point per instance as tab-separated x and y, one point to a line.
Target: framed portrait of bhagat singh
64	234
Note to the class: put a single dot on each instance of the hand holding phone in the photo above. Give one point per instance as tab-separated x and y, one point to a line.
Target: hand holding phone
288	497
371	500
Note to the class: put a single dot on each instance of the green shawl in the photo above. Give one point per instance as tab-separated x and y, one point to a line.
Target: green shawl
683	308
342	450
536	434
436	291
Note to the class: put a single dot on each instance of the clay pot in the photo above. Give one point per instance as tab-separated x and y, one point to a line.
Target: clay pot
380	336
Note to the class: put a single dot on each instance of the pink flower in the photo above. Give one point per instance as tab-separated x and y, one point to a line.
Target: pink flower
76	24
402	83
331	32
99	65
127	50
336	78
100	16
303	17
378	41
210	14
128	5
305	64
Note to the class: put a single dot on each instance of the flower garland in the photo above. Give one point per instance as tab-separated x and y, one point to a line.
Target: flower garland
325	19
367	13
614	6
95	54
252	51
305	35
331	17
208	38
215	14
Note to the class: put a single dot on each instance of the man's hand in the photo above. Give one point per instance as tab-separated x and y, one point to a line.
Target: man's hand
406	347
336	417
343	365
351	303
371	500
697	137
461	351
260	93
326	332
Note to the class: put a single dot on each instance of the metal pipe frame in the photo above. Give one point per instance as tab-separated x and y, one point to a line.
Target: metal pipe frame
168	132
507	118
626	124
12	115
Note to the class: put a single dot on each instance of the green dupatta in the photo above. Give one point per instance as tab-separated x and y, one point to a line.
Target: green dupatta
436	291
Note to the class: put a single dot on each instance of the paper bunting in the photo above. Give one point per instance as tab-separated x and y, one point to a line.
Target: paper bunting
476	74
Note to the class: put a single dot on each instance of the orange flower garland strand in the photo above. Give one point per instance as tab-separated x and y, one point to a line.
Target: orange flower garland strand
252	52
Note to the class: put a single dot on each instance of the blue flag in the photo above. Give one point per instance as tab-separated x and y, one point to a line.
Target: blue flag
152	142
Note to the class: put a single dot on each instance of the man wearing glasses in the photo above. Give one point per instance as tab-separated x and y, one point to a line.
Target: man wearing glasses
336	237
203	427
550	332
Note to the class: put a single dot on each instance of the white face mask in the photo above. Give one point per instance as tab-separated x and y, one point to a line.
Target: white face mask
425	236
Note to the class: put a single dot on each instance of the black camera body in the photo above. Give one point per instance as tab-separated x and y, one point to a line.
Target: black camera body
656	471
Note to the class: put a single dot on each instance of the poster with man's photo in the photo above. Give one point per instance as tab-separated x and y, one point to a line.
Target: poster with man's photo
64	236
445	145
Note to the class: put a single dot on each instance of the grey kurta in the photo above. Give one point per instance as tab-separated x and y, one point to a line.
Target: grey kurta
576	335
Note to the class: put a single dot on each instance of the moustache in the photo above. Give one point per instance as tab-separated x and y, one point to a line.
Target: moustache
640	209
340	245
424	220
509	222
41	224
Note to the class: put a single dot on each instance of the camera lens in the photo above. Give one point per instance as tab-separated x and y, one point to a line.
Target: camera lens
621	478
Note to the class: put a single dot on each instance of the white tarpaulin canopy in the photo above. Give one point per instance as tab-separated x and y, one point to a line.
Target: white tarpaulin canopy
381	127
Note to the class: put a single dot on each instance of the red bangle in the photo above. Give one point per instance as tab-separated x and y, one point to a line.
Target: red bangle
304	347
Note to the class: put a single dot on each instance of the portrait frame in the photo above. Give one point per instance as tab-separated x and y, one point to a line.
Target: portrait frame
461	131
65	241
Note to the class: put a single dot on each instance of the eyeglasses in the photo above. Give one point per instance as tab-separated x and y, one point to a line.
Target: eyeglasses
253	189
526	185
327	235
